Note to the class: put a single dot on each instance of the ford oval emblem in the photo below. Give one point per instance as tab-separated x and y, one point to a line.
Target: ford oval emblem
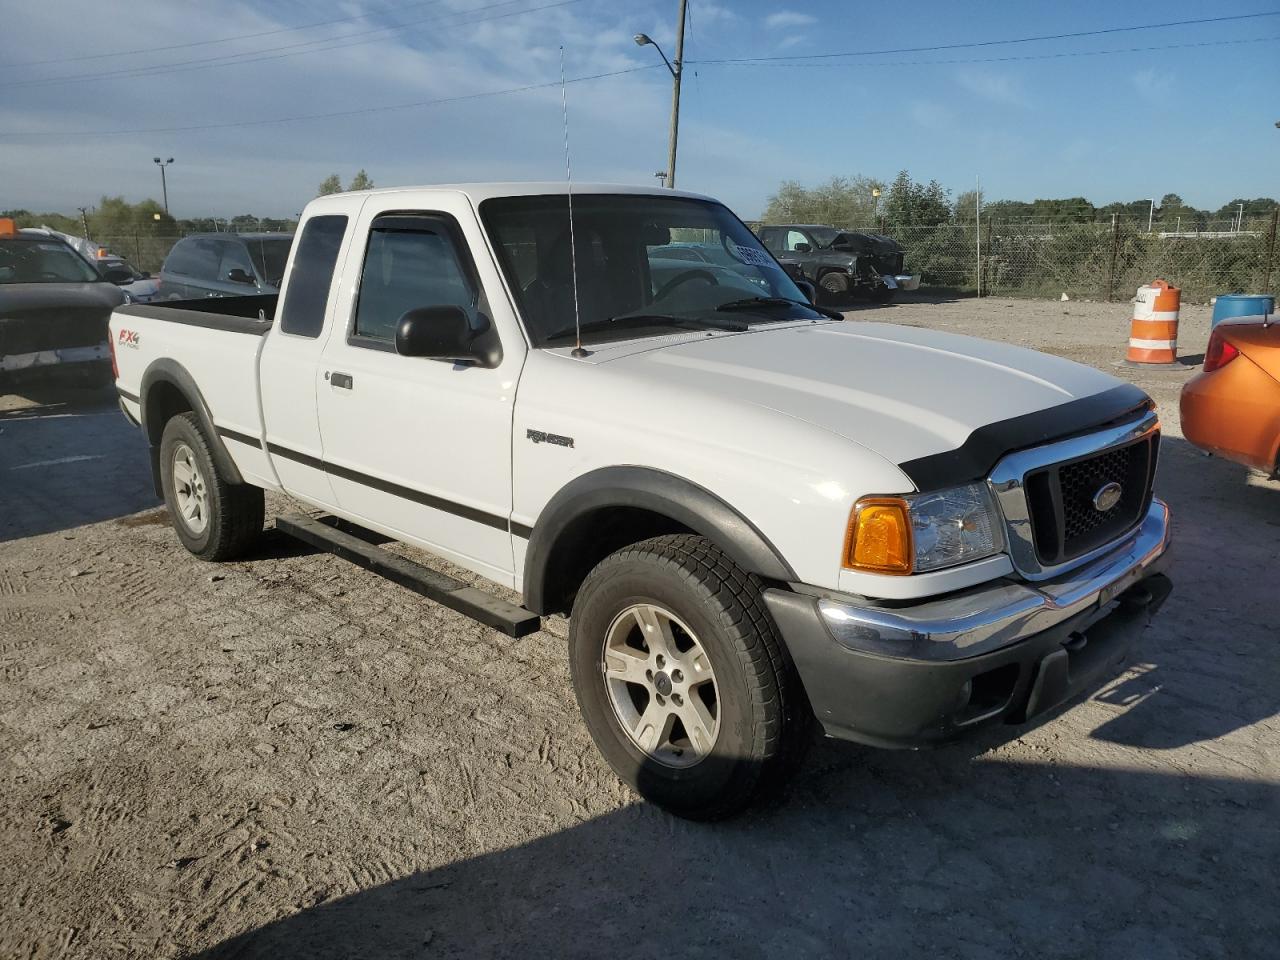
1107	496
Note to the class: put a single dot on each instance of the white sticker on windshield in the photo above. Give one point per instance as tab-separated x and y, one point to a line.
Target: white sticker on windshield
751	256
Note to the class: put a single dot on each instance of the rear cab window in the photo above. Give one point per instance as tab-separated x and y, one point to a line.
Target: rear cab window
312	275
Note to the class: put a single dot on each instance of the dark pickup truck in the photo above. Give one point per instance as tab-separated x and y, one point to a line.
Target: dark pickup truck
54	307
840	262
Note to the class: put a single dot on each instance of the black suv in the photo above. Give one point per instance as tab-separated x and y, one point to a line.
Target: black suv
224	265
840	262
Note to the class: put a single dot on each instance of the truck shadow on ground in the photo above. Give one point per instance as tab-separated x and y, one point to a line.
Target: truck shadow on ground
67	458
940	855
1200	682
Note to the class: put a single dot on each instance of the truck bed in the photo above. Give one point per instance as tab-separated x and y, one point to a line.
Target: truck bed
210	347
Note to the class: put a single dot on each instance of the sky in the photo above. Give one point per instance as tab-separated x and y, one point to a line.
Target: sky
83	111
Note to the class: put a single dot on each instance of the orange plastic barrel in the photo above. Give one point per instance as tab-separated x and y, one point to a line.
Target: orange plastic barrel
1153	333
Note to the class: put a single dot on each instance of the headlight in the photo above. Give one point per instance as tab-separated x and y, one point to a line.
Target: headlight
128	297
927	531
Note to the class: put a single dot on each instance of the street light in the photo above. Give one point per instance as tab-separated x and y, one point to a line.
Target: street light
164	186
644	40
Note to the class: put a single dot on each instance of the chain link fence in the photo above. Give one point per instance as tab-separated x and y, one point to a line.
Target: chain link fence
1092	261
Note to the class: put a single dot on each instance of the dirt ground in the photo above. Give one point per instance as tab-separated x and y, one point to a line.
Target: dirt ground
289	757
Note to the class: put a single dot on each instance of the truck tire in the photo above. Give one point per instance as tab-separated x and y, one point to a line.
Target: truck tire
681	677
835	286
214	518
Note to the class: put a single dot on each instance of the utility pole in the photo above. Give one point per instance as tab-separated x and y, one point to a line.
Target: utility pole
675	97
84	219
676	69
164	185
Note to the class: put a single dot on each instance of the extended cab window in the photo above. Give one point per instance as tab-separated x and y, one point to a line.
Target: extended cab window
312	275
410	262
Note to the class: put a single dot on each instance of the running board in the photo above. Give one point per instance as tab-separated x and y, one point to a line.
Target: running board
334	536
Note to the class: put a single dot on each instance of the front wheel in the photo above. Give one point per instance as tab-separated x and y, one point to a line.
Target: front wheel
680	675
214	518
835	287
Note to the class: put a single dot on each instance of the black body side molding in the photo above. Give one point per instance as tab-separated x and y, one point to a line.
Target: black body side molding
974	459
566	521
351	543
166	371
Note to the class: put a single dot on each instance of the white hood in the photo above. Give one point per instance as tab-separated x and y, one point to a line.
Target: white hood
902	392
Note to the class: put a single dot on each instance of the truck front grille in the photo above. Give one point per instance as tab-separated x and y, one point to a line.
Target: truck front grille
1067	522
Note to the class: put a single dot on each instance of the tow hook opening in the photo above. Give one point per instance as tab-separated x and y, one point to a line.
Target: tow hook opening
987	693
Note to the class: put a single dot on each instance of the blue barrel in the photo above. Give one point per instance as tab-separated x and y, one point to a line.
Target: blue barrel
1242	305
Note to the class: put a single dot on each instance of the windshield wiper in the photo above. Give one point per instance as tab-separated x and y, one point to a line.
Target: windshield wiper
755	303
628	320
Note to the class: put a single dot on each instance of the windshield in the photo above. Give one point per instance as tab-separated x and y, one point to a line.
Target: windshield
42	261
269	257
653	262
824	235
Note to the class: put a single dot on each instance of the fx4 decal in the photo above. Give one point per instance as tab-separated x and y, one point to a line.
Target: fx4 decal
128	338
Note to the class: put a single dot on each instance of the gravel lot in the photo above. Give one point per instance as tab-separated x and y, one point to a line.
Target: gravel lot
288	757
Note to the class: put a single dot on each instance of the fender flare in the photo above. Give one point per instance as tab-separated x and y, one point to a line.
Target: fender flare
170	371
656	491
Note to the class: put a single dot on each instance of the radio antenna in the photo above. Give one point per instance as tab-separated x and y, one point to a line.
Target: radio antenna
573	245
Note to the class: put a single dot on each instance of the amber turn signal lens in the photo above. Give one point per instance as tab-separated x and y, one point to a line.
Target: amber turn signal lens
879	537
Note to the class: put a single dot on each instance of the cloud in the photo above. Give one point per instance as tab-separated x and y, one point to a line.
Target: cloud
789	18
272	169
992	86
1153	83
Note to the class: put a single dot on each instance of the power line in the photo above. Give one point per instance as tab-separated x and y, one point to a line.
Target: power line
993	43
1021	57
206	43
254	56
359	112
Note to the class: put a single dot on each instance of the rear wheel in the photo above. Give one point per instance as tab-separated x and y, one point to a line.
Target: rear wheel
681	678
214	518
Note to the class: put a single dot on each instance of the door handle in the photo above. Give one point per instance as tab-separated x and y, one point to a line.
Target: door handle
342	380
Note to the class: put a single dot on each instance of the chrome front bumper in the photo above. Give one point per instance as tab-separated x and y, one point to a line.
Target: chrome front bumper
901	281
44	358
994	615
904	676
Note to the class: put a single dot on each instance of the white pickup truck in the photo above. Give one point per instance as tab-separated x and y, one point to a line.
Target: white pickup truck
755	513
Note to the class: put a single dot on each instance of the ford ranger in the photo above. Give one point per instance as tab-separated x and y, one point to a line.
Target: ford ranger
755	514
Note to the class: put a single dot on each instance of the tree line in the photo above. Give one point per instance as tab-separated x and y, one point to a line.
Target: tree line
851	201
116	218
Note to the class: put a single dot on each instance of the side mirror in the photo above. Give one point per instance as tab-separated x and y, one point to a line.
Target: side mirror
442	333
803	248
117	275
145	275
237	275
808	289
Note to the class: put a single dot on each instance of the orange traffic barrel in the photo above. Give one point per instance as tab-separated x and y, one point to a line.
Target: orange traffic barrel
1153	334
